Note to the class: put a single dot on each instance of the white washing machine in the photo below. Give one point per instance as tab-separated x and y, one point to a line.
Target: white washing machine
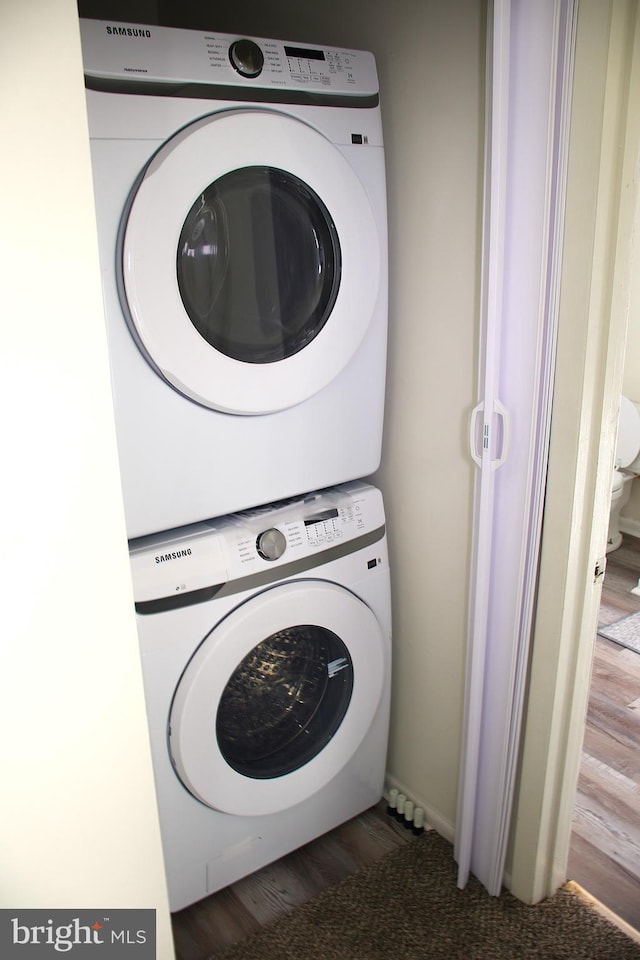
241	210
266	652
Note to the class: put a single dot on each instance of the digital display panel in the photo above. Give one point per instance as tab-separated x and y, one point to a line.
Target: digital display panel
319	517
303	54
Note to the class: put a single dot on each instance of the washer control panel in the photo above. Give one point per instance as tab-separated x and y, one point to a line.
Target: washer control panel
137	52
295	534
301	527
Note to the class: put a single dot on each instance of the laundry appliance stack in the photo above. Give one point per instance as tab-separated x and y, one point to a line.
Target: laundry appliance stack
241	209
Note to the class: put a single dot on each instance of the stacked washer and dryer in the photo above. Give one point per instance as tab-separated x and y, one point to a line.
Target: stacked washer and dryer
241	210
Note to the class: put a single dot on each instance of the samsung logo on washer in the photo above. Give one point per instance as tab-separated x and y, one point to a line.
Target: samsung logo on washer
175	555
128	32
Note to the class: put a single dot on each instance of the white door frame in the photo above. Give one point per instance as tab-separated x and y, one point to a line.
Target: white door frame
602	210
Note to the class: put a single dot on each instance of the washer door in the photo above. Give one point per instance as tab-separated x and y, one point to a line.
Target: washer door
250	261
278	698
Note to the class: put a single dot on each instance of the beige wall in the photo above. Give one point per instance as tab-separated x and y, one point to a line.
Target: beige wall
434	145
78	823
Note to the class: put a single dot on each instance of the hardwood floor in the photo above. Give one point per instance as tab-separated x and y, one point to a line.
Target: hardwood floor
241	909
605	843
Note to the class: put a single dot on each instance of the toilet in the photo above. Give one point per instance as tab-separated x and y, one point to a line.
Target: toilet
627	467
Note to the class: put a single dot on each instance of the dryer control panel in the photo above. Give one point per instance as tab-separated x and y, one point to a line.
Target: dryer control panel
256	545
166	55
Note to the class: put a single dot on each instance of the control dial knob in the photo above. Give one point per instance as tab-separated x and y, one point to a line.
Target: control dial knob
246	57
271	544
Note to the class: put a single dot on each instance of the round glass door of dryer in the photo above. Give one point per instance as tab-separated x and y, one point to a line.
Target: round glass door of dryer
258	265
277	698
249	261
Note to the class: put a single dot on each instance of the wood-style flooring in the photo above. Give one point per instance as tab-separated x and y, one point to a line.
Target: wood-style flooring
243	908
605	843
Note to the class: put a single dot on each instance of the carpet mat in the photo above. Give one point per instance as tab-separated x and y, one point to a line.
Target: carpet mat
626	632
407	907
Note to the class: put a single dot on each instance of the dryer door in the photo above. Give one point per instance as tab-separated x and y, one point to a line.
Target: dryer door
278	698
249	260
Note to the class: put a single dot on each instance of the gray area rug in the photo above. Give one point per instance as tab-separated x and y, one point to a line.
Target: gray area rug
626	632
407	907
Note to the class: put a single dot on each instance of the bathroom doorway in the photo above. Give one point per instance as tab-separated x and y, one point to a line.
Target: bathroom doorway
601	209
604	852
604	855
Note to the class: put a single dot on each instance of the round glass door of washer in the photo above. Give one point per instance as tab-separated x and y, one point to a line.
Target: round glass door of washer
277	698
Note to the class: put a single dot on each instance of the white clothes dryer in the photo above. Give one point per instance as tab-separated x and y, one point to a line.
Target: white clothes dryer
266	653
241	210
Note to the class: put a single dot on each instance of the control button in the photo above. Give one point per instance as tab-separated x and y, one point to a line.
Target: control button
271	544
246	57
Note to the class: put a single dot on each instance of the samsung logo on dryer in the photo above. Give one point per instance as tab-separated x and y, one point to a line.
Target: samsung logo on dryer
129	32
175	555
